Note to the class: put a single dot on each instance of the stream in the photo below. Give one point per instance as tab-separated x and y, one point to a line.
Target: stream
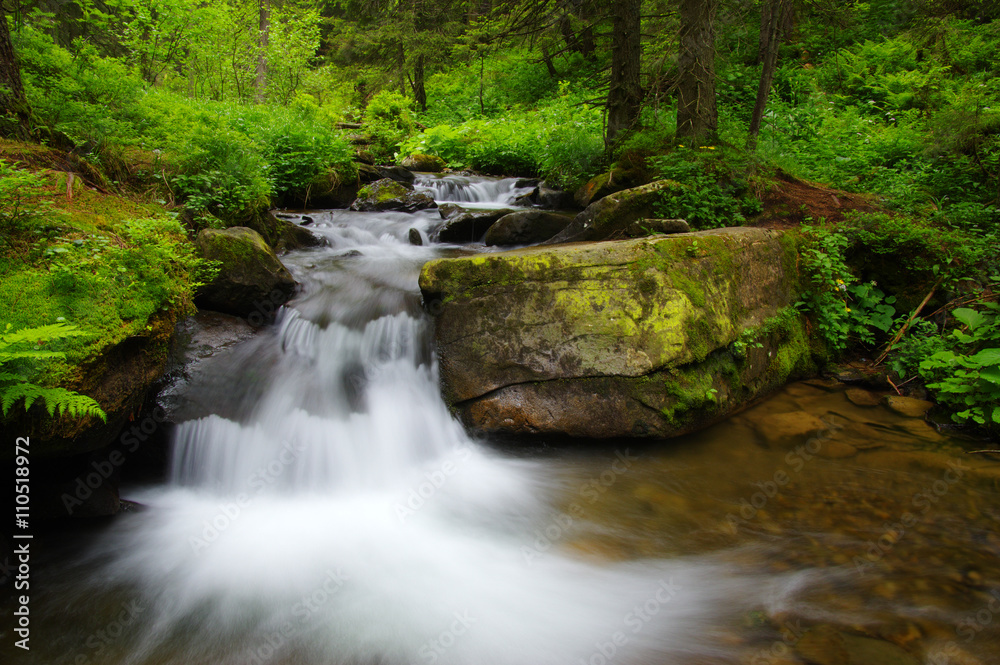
323	507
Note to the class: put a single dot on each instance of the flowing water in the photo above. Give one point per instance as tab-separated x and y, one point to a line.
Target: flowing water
326	508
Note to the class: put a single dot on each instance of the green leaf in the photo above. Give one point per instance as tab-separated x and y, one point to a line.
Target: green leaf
996	414
991	374
969	317
987	357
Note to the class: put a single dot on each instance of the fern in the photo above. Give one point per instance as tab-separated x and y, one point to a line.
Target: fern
14	387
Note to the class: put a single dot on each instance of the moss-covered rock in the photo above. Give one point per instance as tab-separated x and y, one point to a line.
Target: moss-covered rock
647	337
612	214
424	163
249	273
387	194
604	184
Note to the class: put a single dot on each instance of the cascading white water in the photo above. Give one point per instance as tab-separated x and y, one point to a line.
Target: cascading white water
350	519
471	191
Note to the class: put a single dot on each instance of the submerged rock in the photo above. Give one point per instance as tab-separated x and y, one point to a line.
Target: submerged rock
250	272
907	406
627	338
387	194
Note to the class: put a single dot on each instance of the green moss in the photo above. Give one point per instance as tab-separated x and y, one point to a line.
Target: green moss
104	263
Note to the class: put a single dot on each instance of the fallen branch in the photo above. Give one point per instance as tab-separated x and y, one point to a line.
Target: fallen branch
902	330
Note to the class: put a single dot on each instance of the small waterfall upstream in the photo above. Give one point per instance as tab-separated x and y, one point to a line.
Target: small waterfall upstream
348	518
472	191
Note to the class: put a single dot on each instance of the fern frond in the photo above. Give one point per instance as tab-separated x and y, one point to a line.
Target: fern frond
10	337
56	400
6	356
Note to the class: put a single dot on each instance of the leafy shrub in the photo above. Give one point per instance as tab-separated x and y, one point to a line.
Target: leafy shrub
711	198
21	194
841	309
388	120
961	369
224	174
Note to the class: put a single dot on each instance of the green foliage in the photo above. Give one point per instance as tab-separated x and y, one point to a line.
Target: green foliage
962	369
388	120
560	141
840	308
20	195
712	196
112	281
19	346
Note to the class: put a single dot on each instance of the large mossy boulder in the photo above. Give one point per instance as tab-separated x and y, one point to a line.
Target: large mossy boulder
249	273
526	227
387	194
611	215
649	337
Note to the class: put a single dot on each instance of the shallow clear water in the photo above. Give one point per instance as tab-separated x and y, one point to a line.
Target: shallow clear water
332	511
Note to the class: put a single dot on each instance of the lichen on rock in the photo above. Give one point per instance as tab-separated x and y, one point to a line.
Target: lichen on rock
625	338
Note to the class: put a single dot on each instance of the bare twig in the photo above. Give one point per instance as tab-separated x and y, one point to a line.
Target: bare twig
902	330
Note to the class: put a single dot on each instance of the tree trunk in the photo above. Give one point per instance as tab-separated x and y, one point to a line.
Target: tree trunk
419	92
625	90
697	114
16	120
773	16
263	38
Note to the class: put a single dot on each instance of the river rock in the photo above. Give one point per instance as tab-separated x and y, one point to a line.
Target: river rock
825	645
648	227
424	163
387	194
907	406
792	426
625	338
525	227
469	226
614	213
546	197
862	397
613	181
398	173
249	275
414	237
